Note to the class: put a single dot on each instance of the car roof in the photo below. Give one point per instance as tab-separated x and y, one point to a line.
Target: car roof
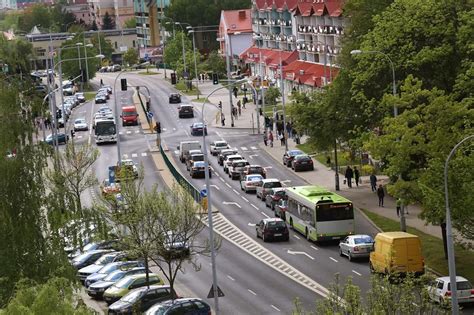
239	161
220	141
142	275
185	105
273	220
253	175
254	166
447	279
234	156
270	180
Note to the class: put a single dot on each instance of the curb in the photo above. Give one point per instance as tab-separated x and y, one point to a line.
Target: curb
369	220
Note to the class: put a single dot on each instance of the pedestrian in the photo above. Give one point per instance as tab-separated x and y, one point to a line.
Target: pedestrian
373	182
381	195
399	206
101	82
328	161
356	175
265	138
296	136
239	107
244	102
234	111
270	138
349	174
282	139
220	105
222	119
235	90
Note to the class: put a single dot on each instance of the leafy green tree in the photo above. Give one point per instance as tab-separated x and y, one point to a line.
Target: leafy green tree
131	56
130	23
271	95
173	53
72	68
16	54
56	296
108	22
93	26
61	17
102	45
215	63
37	14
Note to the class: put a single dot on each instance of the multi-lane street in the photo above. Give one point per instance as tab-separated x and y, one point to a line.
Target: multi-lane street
256	277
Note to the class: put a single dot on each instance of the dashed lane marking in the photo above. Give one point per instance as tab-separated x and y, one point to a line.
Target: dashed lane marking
297	237
227	230
222	180
129	132
253	148
244	148
230	278
228	185
137	131
231	203
251	292
254	206
266	215
216	187
245	199
333	259
313	247
134	155
144	153
125	156
235	191
275	308
356	273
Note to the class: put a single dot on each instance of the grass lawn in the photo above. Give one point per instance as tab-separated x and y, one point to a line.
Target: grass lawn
89	95
432	248
148	73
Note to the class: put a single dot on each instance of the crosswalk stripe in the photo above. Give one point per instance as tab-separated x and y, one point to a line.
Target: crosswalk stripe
129	132
253	148
134	155
121	133
244	148
125	156
143	153
79	137
137	131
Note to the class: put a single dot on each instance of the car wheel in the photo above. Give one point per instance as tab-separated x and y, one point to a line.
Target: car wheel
340	252
287	239
257	195
264	239
266	204
350	256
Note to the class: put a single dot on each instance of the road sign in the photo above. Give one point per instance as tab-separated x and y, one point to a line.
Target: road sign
203	193
211	292
150	115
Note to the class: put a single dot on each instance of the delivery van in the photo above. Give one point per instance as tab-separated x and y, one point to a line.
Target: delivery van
129	115
397	252
185	146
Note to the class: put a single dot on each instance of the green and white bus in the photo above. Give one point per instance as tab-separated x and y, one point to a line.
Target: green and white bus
319	214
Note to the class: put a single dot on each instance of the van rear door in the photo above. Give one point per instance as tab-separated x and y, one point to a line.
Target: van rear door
414	256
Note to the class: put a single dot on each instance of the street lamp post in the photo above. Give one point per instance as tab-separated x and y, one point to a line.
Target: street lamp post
182	44
283	103
80	64
195	62
449	232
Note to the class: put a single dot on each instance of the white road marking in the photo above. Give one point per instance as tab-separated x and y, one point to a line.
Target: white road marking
134	155
251	224
235	191
313	247
164	129
300	253
245	199
267	167
216	187
275	308
231	203
285	181
176	152
230	278
264	214
356	273
143	153
79	137
251	292
120	132
254	206
253	148
227	184
252	155
297	237
333	259
129	132
244	148
125	156
222	180
174	129
137	131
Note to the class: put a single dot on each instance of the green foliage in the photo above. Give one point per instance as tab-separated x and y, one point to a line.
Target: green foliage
130	23
271	95
56	296
131	56
16	54
173	54
9	20
102	45
54	18
72	68
108	22
215	63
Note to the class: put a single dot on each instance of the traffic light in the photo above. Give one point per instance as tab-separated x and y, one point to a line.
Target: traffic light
173	78
123	83
215	79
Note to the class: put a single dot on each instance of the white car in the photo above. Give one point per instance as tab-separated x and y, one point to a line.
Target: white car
251	182
267	185
80	124
217	146
81	97
131	164
228	161
440	290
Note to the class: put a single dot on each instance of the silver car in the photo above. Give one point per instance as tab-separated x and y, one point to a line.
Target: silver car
356	246
218	146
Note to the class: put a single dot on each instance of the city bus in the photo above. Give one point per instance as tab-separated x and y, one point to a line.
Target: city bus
319	214
105	130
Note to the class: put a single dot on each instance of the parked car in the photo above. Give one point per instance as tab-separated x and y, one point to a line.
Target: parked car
236	169
272	229
100	99
440	290
289	155
182	306
186	111
302	162
108	188
80	124
356	246
122	287
60	136
272	198
229	159
108	244
217	146
198	128
251	182
255	169
88	258
225	152
116	68
267	186
176	244
175	98
111	267
108	88
280	208
198	170
141	299
84	272
98	288
196	157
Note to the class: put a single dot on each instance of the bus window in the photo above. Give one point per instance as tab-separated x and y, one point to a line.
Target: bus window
331	212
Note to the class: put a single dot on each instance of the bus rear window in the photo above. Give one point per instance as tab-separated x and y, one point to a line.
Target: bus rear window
332	212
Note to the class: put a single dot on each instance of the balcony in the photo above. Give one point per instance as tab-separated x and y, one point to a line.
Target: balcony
321	29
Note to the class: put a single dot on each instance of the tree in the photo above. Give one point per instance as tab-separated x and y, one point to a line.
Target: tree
56	296
151	223
93	26
387	295
271	95
215	63
130	23
173	53
102	45
108	22
131	56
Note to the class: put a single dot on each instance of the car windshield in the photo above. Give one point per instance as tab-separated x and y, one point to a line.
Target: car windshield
108	268
104	260
197	157
124	283
363	240
255	169
221	144
133	296
125	114
240	164
160	309
272	184
115	276
82	257
461	285
90	246
80	121
254	178
198	125
303	158
280	193
294	152
275	224
199	164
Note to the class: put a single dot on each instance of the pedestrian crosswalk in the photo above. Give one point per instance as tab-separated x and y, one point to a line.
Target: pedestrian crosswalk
134	155
249	149
128	132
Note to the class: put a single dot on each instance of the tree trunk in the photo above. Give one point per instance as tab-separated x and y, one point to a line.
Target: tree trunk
445	242
147	272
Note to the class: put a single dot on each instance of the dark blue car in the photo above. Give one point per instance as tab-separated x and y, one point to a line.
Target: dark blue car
184	306
62	138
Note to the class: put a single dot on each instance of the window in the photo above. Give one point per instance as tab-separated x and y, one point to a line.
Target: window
133	43
440	285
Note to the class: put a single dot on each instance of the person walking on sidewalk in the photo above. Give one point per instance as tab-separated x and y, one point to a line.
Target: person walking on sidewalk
373	182
265	137
239	107
270	138
356	175
349	174
399	206
381	195
235	90
223	119
282	139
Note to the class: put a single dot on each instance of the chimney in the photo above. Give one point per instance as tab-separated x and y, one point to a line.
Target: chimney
242	14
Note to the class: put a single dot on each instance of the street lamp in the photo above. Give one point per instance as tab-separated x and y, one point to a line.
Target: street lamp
449	232
191	30
182	44
225	39
208	190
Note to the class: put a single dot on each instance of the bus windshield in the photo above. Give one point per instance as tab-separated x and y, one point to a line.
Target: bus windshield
105	128
334	212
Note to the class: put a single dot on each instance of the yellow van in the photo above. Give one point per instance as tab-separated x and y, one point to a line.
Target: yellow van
397	252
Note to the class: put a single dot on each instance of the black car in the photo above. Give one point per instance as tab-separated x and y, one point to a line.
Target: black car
61	138
88	258
100	99
271	229
197	129
198	170
175	98
186	111
289	155
184	306
302	162
141	299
